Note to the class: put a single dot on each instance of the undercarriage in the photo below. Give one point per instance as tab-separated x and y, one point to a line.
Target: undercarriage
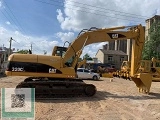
50	88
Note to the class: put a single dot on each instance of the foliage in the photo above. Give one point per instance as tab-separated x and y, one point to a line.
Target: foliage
152	44
23	51
87	57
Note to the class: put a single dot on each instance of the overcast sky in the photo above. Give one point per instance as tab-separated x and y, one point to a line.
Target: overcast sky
46	23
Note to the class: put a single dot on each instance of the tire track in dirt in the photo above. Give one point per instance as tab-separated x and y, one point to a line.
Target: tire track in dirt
153	107
130	111
114	101
124	106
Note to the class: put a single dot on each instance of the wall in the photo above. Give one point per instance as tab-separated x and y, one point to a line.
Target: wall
100	56
116	60
149	23
3	59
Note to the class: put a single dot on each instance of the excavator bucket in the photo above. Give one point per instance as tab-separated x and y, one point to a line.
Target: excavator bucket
143	82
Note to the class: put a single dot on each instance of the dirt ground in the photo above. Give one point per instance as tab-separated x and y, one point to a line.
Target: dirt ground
117	100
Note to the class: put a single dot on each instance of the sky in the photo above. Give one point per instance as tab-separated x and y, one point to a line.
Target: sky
46	23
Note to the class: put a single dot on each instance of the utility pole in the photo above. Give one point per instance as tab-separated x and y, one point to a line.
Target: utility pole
31	47
10	44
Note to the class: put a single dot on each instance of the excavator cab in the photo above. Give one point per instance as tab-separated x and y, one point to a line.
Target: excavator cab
59	51
145	66
155	69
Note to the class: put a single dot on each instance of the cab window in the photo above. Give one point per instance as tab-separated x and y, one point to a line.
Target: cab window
86	71
79	70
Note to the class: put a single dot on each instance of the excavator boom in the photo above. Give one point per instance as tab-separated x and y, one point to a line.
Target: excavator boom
104	35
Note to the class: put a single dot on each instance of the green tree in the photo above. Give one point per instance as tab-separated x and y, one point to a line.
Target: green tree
87	57
152	44
23	51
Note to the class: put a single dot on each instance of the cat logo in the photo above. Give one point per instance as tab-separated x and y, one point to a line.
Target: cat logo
51	70
116	35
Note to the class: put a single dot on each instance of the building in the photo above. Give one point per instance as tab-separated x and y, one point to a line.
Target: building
4	53
120	45
149	23
115	57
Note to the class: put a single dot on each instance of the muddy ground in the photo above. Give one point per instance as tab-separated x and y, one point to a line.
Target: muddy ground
117	100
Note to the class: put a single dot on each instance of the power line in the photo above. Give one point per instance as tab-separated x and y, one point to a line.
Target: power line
88	11
14	28
20	44
35	46
101	8
105	8
10	41
11	17
8	19
15	19
28	46
11	20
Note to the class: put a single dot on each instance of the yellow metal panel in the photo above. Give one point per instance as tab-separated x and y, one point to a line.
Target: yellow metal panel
54	61
23	57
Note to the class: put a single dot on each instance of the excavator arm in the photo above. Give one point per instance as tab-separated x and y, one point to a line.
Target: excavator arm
105	35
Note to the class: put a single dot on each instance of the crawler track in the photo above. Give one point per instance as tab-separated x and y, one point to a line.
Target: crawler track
46	89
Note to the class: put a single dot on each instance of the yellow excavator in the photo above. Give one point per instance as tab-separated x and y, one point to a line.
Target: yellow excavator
155	68
124	72
60	70
152	66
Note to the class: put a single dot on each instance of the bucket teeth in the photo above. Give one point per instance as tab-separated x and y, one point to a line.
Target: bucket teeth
143	90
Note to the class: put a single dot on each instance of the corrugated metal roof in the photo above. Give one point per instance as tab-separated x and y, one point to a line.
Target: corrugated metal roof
113	52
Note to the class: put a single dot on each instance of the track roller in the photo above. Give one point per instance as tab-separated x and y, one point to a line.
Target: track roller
90	90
